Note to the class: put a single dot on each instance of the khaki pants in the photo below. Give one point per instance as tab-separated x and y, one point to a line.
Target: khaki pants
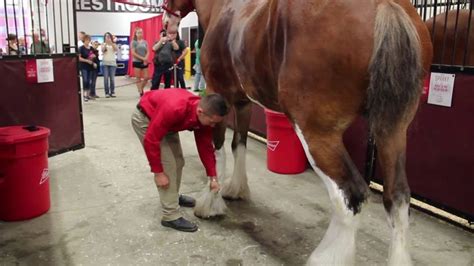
172	161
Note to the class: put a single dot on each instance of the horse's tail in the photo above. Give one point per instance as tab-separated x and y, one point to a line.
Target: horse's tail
395	68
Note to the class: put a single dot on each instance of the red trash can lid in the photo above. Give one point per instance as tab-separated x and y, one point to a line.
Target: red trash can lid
18	134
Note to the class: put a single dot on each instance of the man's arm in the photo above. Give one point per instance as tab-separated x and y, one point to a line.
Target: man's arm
157	129
206	152
203	137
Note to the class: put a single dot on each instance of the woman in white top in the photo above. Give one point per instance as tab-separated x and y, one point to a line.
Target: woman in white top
109	62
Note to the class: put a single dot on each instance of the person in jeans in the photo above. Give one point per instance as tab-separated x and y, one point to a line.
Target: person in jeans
95	71
86	65
158	118
180	54
199	82
109	62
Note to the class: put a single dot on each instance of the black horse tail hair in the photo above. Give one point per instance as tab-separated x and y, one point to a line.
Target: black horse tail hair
395	69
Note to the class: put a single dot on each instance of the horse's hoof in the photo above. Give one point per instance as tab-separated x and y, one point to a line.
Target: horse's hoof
211	218
231	198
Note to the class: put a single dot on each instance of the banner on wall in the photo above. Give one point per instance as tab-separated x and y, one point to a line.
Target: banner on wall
39	70
139	6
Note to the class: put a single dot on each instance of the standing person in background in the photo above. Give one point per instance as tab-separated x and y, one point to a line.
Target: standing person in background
80	37
199	82
44	38
12	47
180	54
86	65
163	59
39	46
140	55
22	46
95	71
109	48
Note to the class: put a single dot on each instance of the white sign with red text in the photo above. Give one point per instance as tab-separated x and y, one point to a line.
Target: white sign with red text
441	89
45	70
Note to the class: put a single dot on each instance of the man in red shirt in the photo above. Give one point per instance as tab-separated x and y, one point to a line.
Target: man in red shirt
159	116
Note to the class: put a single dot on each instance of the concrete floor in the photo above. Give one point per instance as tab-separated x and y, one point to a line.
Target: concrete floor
105	210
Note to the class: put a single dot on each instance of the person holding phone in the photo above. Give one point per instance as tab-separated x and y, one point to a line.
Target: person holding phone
109	61
164	59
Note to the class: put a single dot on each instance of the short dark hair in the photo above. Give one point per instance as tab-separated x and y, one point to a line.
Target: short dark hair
214	104
11	37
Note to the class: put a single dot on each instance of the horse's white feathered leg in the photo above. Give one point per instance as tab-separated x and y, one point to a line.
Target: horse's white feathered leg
338	244
398	221
237	186
221	163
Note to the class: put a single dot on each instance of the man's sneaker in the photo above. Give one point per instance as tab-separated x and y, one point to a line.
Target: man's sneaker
180	224
113	95
107	96
186	201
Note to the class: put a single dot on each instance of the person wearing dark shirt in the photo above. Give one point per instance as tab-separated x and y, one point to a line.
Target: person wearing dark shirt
95	69
159	116
164	58
86	57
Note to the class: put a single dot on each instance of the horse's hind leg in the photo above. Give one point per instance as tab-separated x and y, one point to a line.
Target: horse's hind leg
347	191
396	196
237	186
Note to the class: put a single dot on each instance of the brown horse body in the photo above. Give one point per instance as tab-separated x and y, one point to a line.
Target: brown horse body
450	35
323	63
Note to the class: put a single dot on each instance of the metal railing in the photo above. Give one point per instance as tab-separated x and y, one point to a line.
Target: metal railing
37	27
451	24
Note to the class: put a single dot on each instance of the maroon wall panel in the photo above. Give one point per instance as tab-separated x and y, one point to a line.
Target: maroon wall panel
440	151
55	105
258	124
440	158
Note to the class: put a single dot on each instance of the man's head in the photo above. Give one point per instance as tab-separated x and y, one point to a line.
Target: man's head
36	37
211	109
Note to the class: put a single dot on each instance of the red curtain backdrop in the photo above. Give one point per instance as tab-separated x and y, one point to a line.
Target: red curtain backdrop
151	33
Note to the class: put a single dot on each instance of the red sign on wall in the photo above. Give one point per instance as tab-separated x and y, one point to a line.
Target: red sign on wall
31	71
39	70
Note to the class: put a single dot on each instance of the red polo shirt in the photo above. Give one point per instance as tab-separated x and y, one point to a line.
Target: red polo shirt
174	110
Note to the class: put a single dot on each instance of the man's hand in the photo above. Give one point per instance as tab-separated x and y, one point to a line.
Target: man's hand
162	181
214	186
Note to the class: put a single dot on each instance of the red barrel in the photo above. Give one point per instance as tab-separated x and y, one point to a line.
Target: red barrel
285	154
24	176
